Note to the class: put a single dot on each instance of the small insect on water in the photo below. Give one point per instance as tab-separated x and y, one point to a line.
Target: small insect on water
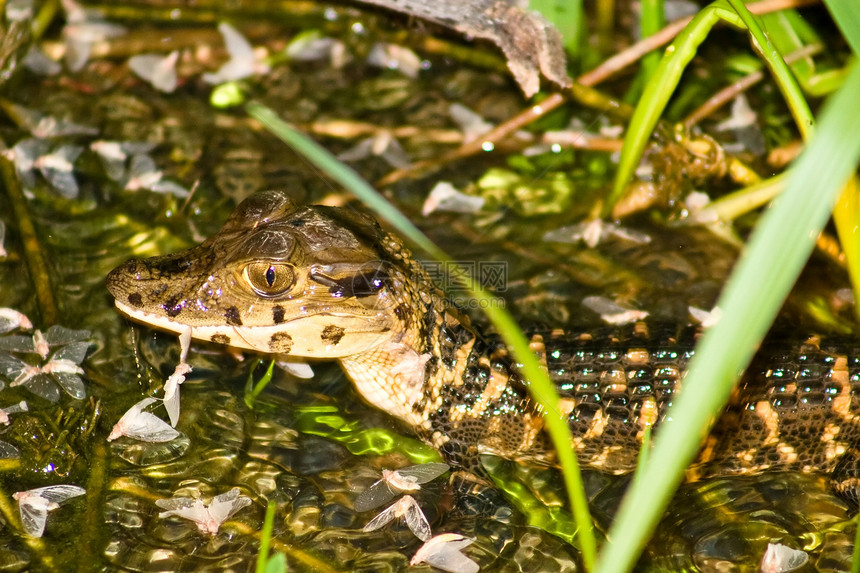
395	482
407	508
779	558
141	425
34	505
443	552
208	518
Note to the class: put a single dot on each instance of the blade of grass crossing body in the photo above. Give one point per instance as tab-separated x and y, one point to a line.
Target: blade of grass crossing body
855	556
847	17
776	253
785	80
659	90
846	215
540	386
847	212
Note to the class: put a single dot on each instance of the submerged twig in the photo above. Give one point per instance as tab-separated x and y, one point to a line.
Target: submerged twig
96	481
33	253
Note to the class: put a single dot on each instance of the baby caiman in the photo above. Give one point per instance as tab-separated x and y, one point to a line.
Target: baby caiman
329	283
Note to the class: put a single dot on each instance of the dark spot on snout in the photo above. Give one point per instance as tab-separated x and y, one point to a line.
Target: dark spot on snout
332	334
278	314
281	342
220	339
173	306
134	299
232	316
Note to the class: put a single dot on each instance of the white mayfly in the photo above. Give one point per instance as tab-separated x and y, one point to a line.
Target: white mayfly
158	70
395	482
208	518
141	425
34	505
443	552
244	61
407	508
779	558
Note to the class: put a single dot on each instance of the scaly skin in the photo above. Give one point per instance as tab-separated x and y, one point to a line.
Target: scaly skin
325	282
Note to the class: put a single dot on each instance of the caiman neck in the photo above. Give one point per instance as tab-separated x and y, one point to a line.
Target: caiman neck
401	375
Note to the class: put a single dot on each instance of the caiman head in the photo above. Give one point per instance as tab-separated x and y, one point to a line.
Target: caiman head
308	281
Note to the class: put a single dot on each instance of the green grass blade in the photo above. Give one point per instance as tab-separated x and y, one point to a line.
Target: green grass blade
774	257
540	386
265	539
785	80
651	22
855	556
847	17
846	216
566	16
730	207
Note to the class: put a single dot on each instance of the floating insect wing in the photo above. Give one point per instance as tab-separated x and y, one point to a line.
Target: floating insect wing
160	71
207	518
171	391
13	409
375	496
34	505
225	505
41	385
443	552
74	352
424	472
144	426
393	483
59	335
8	451
780	558
17	343
184	507
242	61
407	508
11	367
10	319
58	169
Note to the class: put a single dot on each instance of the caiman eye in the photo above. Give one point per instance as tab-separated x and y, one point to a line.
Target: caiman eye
270	279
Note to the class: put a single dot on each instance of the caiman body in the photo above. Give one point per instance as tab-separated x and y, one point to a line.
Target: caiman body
325	282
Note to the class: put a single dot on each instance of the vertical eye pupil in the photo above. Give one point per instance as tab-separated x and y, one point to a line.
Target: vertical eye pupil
270	275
